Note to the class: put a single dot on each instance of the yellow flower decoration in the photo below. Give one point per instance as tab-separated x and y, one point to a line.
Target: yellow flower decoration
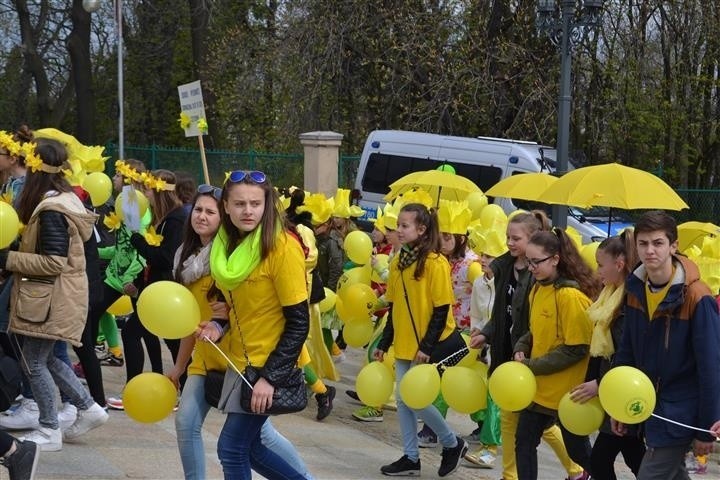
112	221
184	121
8	143
202	126
153	239
7	197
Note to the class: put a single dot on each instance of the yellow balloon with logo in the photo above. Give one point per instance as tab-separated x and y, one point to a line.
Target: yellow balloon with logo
122	306
149	397
353	276
627	395
358	302
420	386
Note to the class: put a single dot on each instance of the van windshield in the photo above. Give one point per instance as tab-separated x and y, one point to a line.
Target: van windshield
383	169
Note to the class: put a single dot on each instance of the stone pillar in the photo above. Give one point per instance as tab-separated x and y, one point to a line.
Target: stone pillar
322	155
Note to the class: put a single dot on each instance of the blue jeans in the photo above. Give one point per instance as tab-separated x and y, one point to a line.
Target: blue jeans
241	450
45	372
408	419
60	352
188	424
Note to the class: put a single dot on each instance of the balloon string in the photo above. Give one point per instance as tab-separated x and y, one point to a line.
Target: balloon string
207	339
686	426
462	350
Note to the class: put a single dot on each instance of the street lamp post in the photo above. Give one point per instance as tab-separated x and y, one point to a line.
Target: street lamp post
566	26
91	6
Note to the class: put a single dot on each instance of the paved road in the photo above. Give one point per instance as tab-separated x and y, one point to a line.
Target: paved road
337	448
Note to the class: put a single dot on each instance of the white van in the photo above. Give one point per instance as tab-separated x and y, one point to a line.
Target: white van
390	154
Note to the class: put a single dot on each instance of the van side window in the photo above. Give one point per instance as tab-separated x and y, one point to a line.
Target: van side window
383	169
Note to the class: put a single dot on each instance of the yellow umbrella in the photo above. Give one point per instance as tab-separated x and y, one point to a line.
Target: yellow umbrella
439	184
612	185
524	186
693	233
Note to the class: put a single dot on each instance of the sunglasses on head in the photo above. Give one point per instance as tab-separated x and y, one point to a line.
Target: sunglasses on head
205	189
241	175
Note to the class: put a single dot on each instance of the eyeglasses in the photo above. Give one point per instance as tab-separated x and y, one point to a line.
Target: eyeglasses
240	175
205	189
532	263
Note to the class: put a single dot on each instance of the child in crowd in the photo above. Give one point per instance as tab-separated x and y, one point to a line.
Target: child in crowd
508	322
557	345
420	296
616	258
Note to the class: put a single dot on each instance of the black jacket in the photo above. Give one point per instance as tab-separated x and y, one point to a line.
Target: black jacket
160	258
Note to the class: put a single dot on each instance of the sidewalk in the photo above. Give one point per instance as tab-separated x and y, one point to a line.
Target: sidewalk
336	448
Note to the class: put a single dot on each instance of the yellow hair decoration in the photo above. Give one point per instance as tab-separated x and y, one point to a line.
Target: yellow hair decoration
454	217
112	221
150	181
152	238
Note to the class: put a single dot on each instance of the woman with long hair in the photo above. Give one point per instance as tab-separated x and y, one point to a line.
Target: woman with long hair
258	263
556	346
50	295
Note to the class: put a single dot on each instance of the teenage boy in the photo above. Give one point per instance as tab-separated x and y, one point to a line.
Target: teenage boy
672	334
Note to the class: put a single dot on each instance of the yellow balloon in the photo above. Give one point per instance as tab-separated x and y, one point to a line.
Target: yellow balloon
327	303
142	204
168	310
358	247
580	418
99	186
357	334
374	384
471	358
474	271
492	215
476	202
353	276
358	302
512	386
122	306
587	252
420	386
627	395
149	397
381	263
9	224
463	389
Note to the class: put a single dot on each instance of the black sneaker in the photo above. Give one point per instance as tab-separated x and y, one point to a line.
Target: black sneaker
402	468
22	464
451	458
325	402
352	394
112	361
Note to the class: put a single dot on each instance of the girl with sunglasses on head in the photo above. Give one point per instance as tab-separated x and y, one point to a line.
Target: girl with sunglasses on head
192	269
420	294
557	345
258	264
159	252
50	294
508	322
616	258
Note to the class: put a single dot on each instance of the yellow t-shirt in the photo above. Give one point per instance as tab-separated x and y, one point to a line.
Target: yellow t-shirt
279	281
205	356
557	317
434	289
654	299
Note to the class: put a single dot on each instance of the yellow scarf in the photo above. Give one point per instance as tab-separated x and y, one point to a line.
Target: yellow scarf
601	313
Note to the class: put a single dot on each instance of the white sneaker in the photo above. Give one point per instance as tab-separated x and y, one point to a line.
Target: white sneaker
25	417
88	419
47	439
67	415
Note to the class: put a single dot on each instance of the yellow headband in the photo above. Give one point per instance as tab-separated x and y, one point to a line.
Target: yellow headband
146	178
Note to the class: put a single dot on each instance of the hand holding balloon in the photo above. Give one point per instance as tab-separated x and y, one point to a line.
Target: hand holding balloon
477	339
584	392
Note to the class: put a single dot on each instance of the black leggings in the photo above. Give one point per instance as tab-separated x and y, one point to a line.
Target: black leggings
133	334
605	450
86	352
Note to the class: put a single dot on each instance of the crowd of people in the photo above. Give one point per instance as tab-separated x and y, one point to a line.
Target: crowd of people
260	264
